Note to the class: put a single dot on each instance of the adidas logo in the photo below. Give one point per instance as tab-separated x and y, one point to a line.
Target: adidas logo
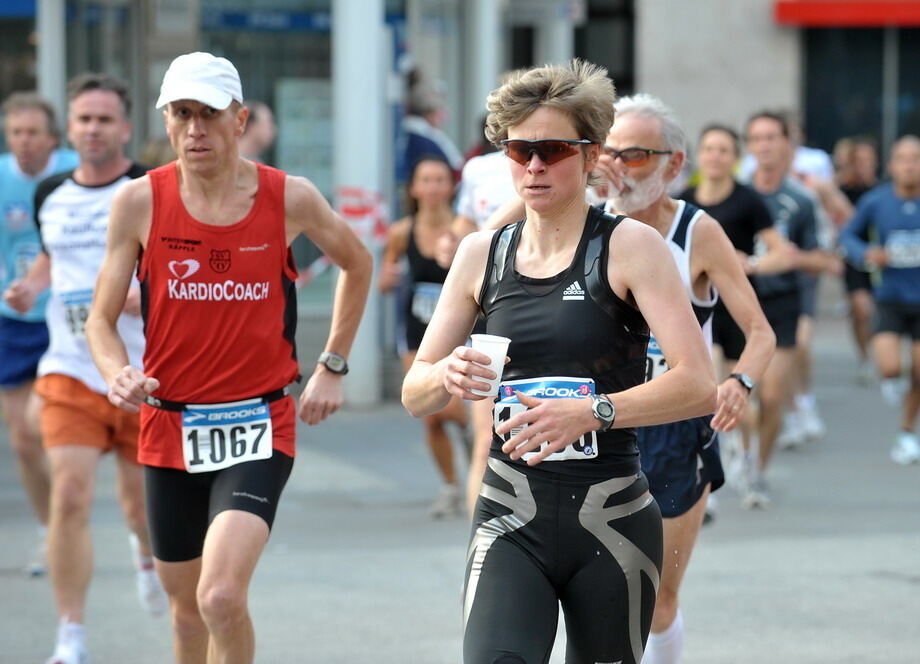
573	292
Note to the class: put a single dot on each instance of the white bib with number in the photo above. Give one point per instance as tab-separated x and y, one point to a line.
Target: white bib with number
424	299
551	387
903	248
76	306
216	436
655	364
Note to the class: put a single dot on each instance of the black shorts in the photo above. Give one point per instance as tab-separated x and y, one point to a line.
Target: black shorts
680	459
182	505
782	312
541	539
856	280
726	333
808	296
901	318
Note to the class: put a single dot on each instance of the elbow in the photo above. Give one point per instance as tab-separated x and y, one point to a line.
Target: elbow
769	339
409	400
411	404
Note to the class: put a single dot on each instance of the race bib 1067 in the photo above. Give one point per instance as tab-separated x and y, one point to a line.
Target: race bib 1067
221	435
551	387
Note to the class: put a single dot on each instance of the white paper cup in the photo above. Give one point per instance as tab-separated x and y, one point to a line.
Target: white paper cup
497	349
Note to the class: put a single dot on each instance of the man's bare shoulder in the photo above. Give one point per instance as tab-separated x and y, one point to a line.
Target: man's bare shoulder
710	239
134	194
299	192
707	229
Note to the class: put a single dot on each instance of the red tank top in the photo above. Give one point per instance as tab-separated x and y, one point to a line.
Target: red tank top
219	308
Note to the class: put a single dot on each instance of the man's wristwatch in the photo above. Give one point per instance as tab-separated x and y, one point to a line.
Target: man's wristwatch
744	379
334	362
603	411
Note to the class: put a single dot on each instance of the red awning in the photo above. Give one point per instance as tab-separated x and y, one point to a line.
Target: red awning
847	13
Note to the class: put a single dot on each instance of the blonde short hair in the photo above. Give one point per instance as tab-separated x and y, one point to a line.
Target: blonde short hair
579	89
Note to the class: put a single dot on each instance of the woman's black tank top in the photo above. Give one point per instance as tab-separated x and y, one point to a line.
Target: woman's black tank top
570	325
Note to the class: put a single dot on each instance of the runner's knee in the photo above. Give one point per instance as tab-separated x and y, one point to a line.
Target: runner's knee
221	603
71	496
186	620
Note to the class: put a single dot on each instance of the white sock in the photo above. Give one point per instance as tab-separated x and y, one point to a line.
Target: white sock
805	402
666	647
70	633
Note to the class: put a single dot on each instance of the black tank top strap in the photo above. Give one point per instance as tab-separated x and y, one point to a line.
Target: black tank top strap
596	260
497	261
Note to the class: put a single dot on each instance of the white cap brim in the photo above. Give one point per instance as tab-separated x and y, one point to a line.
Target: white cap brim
197	91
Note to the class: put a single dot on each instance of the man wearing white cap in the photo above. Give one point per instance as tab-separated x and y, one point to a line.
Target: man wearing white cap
209	236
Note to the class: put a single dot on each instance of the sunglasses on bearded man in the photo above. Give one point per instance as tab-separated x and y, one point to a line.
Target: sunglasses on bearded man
550	150
634	156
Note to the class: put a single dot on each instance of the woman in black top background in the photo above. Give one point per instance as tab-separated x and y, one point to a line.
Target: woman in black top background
429	193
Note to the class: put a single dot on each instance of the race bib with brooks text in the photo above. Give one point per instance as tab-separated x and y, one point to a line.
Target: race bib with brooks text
551	387
217	436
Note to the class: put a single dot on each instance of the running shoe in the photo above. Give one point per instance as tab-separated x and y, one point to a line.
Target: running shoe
792	434
906	449
756	496
38	563
68	654
449	502
811	424
150	592
737	470
70	647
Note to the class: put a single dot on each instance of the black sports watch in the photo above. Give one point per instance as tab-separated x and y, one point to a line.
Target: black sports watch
603	411
334	362
744	379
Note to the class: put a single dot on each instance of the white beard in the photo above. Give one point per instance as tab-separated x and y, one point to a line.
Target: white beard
642	192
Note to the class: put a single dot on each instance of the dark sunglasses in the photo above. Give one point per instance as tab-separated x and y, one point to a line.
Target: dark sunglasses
550	150
634	156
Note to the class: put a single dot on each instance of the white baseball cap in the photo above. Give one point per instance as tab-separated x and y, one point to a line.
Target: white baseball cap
201	77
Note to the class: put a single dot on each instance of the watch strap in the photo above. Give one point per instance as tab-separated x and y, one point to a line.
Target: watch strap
744	379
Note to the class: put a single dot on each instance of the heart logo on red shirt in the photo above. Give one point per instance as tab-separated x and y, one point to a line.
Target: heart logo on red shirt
184	269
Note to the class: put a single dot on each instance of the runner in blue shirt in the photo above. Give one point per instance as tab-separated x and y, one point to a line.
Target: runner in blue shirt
32	137
884	235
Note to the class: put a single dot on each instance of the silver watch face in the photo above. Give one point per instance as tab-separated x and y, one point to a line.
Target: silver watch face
334	363
604	409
